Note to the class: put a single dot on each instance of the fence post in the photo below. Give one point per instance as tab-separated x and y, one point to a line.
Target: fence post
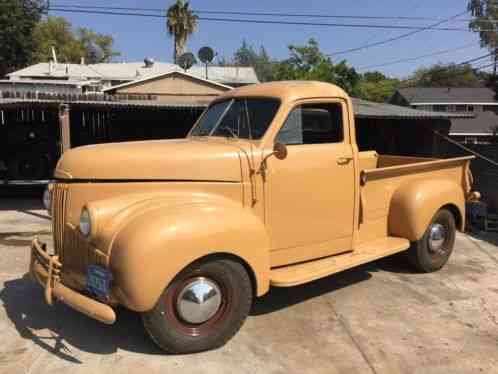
65	127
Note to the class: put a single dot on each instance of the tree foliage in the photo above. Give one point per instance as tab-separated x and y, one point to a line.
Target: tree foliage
18	18
181	23
70	45
375	86
307	62
247	56
444	75
486	15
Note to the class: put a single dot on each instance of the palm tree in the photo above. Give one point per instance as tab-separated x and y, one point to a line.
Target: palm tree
181	23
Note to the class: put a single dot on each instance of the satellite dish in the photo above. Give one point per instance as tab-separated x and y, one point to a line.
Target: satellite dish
186	60
206	54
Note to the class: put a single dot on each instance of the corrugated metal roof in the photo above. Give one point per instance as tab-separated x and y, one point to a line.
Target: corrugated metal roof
129	71
368	109
116	104
362	108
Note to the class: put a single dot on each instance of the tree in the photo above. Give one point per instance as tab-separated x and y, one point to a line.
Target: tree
441	75
375	86
70	45
181	23
486	16
98	47
308	63
18	18
247	56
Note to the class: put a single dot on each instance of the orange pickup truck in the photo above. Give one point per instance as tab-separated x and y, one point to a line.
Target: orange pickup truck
268	189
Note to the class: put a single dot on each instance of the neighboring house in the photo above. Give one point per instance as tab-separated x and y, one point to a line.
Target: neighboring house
172	87
55	86
106	75
479	101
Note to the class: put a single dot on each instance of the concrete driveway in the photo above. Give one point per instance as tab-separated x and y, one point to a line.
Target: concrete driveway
378	318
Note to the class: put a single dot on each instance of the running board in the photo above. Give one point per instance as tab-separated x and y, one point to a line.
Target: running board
293	275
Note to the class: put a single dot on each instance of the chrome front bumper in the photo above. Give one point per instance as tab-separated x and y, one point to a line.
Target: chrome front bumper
46	270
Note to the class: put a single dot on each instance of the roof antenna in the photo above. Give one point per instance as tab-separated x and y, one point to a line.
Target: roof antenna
54	55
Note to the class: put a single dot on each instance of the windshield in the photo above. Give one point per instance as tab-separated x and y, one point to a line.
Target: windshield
238	118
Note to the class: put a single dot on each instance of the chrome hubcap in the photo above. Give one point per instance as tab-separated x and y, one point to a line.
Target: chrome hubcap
199	300
437	237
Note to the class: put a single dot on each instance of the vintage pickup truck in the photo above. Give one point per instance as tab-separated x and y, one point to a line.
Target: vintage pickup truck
268	189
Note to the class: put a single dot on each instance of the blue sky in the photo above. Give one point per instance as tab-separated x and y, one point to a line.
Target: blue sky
139	37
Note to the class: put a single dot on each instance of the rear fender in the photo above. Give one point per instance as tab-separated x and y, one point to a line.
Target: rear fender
415	203
152	247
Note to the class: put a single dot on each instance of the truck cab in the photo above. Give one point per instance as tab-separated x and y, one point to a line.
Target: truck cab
268	189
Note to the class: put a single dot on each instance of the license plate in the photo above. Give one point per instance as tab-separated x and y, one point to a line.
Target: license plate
98	280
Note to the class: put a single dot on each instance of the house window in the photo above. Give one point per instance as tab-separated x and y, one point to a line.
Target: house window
461	108
422	107
451	108
470	140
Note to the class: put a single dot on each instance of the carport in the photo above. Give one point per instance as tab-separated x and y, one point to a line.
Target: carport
394	130
34	132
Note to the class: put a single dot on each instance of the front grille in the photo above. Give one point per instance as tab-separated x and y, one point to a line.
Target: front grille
59	210
80	255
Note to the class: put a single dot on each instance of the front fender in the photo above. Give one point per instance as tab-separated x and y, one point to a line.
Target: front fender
414	204
154	245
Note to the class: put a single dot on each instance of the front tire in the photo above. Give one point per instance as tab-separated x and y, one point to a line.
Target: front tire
433	250
202	308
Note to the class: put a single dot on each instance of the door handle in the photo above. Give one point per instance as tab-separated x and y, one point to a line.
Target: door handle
344	160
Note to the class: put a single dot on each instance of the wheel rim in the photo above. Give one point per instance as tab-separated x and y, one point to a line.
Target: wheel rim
437	238
198	301
186	316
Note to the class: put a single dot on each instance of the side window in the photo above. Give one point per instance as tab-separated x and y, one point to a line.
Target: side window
312	124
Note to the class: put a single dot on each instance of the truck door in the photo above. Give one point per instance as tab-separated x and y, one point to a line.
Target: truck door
310	194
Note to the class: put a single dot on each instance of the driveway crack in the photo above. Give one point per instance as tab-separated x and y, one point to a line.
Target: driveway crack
347	328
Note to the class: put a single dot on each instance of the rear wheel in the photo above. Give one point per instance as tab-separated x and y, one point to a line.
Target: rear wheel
434	249
202	308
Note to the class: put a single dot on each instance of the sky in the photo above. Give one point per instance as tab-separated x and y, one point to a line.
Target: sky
140	37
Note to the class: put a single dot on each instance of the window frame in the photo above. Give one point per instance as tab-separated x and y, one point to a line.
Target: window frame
344	118
231	99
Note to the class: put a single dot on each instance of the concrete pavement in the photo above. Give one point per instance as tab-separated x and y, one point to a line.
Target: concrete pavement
378	318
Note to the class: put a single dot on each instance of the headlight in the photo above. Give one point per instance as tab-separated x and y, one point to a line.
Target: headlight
85	222
47	199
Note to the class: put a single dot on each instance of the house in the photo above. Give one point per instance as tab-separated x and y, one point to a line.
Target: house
479	101
24	87
171	87
106	75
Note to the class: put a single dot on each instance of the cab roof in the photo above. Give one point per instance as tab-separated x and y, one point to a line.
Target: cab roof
287	91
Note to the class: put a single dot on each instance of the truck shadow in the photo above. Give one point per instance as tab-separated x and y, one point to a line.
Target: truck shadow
281	298
58	329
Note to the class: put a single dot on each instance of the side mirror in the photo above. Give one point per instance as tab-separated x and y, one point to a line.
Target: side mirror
280	151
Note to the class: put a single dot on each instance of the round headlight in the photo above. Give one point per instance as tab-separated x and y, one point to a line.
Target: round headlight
85	222
47	199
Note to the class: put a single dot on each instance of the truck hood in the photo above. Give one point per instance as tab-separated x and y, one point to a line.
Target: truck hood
153	160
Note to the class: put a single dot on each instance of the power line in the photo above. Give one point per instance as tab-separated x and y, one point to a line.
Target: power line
254	21
269	14
455	74
410	59
396	38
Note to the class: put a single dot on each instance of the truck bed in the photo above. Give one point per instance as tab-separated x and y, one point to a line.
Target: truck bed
382	175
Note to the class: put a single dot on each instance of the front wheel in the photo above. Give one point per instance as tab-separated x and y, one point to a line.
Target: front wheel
202	308
433	250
